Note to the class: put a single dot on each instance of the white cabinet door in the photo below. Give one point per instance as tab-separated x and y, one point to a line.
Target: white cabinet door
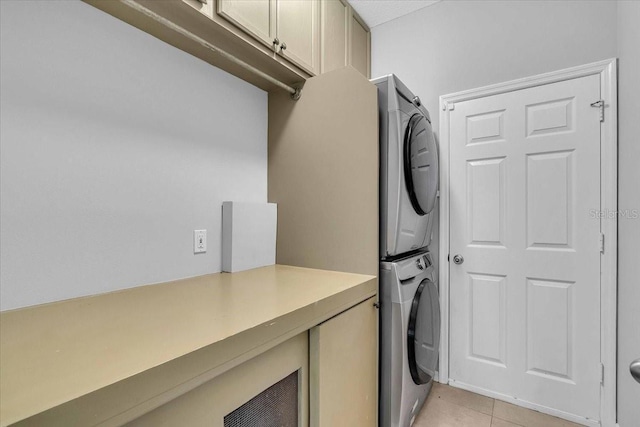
257	17
298	32
524	195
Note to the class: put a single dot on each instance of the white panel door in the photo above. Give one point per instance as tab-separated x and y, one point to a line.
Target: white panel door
525	302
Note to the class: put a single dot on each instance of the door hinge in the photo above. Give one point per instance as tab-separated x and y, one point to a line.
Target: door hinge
600	105
601	243
601	374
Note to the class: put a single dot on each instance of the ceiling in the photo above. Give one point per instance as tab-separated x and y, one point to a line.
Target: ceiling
376	12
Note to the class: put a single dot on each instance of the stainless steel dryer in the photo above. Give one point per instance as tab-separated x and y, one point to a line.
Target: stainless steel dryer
408	169
409	337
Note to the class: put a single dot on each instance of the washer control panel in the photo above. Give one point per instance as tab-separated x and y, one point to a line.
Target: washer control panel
414	265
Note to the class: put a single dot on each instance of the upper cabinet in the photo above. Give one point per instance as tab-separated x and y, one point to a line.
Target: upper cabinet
290	40
289	27
360	45
344	38
334	33
298	32
256	17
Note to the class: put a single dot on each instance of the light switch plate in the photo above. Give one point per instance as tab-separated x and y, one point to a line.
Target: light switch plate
199	241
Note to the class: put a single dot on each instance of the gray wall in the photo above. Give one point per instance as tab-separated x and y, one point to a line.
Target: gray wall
629	200
114	148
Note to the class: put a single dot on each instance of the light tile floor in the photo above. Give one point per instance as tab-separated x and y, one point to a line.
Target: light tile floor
452	407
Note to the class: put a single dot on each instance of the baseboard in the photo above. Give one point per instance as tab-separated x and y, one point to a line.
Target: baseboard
523	403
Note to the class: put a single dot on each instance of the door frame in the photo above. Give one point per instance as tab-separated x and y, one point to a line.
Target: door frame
606	70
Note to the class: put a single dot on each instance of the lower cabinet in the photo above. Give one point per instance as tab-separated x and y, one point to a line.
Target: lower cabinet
344	369
272	388
324	377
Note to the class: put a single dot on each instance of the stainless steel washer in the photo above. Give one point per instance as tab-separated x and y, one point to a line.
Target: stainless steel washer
409	337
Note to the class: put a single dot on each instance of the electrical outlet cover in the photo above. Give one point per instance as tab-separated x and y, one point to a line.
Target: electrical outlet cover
248	235
199	241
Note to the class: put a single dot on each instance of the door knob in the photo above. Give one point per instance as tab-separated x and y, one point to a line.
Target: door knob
635	369
458	259
284	46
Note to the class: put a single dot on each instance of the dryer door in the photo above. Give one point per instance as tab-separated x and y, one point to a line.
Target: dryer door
420	164
423	334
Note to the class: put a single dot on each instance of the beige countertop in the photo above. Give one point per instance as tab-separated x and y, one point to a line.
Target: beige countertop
91	360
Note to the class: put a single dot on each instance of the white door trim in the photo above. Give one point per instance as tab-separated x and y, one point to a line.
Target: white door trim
609	222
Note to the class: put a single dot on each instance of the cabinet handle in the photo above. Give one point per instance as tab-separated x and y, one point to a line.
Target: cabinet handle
276	42
283	47
376	304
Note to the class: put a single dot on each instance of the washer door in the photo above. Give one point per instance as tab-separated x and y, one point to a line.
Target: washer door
420	164
423	334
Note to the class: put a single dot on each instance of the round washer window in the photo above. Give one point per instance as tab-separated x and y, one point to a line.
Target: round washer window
423	332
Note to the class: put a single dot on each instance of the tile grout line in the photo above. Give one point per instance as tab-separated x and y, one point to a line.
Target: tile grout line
507	421
493	405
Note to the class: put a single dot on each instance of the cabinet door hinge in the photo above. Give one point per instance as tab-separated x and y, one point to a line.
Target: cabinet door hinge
601	374
600	106
601	243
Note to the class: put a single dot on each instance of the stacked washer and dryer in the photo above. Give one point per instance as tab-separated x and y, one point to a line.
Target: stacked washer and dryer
409	302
